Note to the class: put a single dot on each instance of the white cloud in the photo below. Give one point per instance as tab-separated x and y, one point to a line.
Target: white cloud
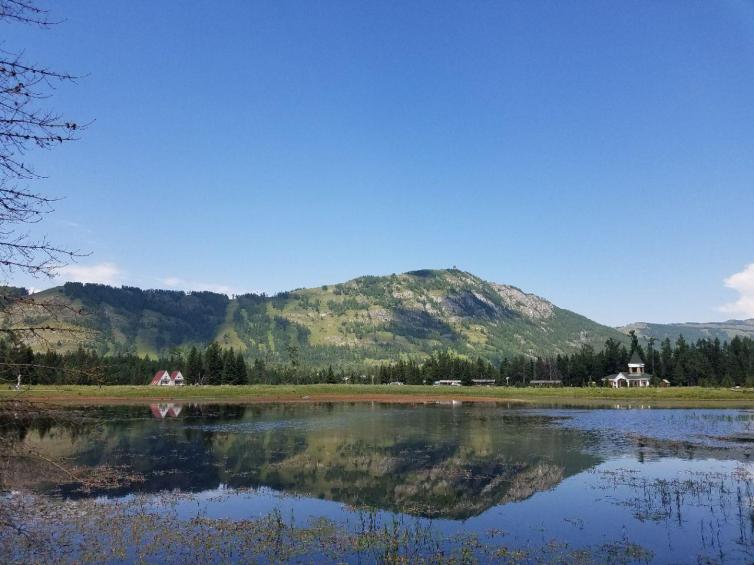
188	285
104	273
743	283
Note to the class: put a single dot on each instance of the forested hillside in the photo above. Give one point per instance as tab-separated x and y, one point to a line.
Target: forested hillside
692	331
361	322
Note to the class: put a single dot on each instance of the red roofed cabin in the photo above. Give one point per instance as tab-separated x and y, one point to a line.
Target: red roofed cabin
163	378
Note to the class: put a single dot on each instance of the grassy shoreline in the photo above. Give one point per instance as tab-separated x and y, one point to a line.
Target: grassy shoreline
385	393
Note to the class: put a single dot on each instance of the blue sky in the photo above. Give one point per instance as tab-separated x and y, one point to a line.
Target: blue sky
599	154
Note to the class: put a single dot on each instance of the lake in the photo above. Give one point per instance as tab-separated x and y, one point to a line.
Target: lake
364	482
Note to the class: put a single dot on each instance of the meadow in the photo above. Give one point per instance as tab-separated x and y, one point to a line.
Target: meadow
344	392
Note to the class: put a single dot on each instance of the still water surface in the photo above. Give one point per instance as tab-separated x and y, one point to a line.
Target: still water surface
678	483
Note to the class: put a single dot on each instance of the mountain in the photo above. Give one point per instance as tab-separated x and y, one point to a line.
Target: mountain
692	331
366	320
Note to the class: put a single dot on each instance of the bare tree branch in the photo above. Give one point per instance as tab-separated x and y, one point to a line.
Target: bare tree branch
27	123
24	12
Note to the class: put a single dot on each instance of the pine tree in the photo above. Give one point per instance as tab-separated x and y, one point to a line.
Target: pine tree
228	376
213	364
614	359
635	346
259	372
241	372
194	366
466	374
666	359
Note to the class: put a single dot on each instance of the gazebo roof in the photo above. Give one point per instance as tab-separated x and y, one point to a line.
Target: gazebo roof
636	358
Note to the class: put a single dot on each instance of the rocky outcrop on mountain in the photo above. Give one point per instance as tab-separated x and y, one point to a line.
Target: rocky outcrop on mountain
529	305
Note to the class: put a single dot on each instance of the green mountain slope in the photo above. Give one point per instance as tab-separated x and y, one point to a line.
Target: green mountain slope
365	320
692	331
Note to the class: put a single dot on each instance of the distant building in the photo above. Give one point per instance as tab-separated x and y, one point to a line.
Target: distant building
163	378
483	382
447	382
635	377
550	382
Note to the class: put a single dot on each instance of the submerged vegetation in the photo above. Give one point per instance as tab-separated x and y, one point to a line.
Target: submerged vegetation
147	530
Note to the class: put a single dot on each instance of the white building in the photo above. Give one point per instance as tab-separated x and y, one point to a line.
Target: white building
635	377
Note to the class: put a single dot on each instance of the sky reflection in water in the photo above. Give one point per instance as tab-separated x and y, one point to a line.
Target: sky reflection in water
676	481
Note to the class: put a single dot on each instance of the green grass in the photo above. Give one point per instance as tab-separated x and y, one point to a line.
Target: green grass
285	392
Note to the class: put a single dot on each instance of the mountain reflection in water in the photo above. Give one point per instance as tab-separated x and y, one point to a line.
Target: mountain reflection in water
425	460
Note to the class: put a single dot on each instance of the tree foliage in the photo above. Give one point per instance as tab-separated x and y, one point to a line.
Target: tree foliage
703	363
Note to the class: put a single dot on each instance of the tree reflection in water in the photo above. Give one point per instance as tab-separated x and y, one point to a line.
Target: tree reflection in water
438	461
653	488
